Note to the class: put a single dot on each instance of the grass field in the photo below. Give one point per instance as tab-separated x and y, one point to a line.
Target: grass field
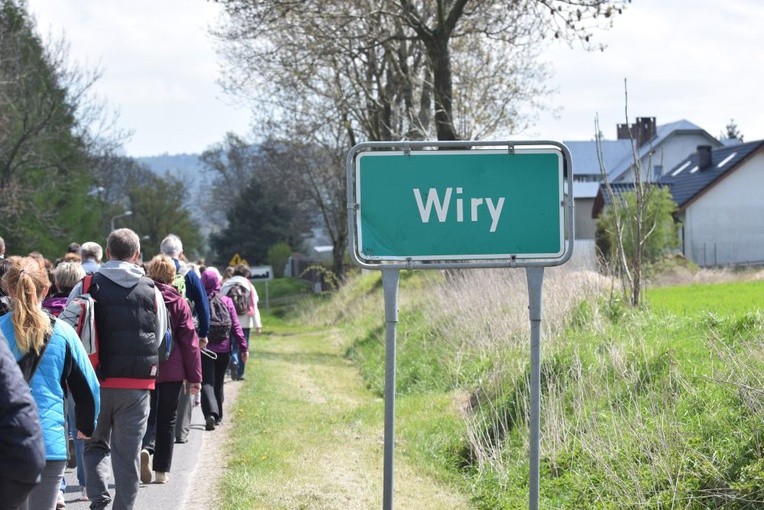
660	407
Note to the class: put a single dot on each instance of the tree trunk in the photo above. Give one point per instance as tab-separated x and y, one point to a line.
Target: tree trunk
440	59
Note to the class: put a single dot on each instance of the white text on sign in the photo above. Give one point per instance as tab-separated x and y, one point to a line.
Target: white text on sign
442	206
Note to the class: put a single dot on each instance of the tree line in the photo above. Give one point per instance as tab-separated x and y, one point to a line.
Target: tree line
63	172
318	76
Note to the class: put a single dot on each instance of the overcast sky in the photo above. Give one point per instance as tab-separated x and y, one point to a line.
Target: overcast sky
698	60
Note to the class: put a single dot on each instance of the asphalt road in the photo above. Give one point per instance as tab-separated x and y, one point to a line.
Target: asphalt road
169	496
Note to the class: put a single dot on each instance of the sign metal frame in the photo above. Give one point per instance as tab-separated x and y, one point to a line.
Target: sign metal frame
458	260
534	267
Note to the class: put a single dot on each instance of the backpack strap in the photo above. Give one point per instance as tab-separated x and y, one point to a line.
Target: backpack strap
29	362
86	283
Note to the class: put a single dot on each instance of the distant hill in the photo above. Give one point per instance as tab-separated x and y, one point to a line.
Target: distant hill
186	167
189	169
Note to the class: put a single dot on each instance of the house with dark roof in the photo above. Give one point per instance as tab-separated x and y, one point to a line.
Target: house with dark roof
655	147
658	148
719	194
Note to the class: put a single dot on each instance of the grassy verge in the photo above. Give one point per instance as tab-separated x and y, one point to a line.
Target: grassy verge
308	432
653	408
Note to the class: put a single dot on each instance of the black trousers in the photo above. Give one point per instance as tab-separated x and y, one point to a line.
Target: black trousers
160	431
213	374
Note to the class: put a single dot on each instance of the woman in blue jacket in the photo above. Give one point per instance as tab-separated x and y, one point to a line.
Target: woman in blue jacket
62	362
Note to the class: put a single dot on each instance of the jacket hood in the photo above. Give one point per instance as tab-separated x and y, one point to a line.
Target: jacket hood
211	280
169	293
124	274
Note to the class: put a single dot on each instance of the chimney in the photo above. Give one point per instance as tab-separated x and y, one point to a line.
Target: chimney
641	131
704	156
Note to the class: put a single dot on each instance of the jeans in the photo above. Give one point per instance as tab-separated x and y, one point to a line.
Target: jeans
119	434
79	444
237	364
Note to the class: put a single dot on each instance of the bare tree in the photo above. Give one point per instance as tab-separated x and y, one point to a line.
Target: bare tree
637	213
331	73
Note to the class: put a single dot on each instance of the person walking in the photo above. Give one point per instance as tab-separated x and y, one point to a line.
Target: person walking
91	254
131	321
243	293
65	276
191	288
57	364
184	363
213	370
22	451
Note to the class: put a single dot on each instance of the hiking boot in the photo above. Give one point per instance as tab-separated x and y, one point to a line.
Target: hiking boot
145	468
210	423
160	477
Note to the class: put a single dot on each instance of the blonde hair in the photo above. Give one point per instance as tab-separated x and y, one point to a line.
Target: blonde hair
67	274
162	269
26	282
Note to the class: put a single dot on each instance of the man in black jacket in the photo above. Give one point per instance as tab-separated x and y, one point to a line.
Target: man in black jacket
131	320
22	452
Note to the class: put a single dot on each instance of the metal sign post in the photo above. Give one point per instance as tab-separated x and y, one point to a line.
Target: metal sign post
263	273
465	205
535	277
390	286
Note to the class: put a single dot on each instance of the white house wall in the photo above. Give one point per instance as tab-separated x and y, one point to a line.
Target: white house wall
726	225
585	224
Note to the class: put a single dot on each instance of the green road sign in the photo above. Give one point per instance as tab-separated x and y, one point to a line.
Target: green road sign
460	204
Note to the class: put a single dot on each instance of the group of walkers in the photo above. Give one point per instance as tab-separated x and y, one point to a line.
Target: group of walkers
166	335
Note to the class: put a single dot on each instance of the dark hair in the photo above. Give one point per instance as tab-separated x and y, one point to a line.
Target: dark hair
241	270
4	265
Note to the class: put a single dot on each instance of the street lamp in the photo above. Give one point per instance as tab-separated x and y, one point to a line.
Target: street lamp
126	213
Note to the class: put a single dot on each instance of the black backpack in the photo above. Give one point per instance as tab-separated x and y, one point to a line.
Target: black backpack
220	320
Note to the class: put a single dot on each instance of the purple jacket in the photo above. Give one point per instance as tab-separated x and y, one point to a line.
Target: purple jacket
55	304
211	281
184	362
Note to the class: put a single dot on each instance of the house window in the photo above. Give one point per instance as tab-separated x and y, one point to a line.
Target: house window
657	171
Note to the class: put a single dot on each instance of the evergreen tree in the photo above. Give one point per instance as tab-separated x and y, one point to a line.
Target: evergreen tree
257	220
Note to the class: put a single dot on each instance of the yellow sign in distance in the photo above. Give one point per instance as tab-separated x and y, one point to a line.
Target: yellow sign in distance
236	260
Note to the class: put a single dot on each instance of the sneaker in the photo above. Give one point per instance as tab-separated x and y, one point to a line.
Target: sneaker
210	423
181	440
160	477
145	468
60	502
84	495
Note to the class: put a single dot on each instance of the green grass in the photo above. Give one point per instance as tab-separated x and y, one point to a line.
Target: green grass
660	407
719	298
652	419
